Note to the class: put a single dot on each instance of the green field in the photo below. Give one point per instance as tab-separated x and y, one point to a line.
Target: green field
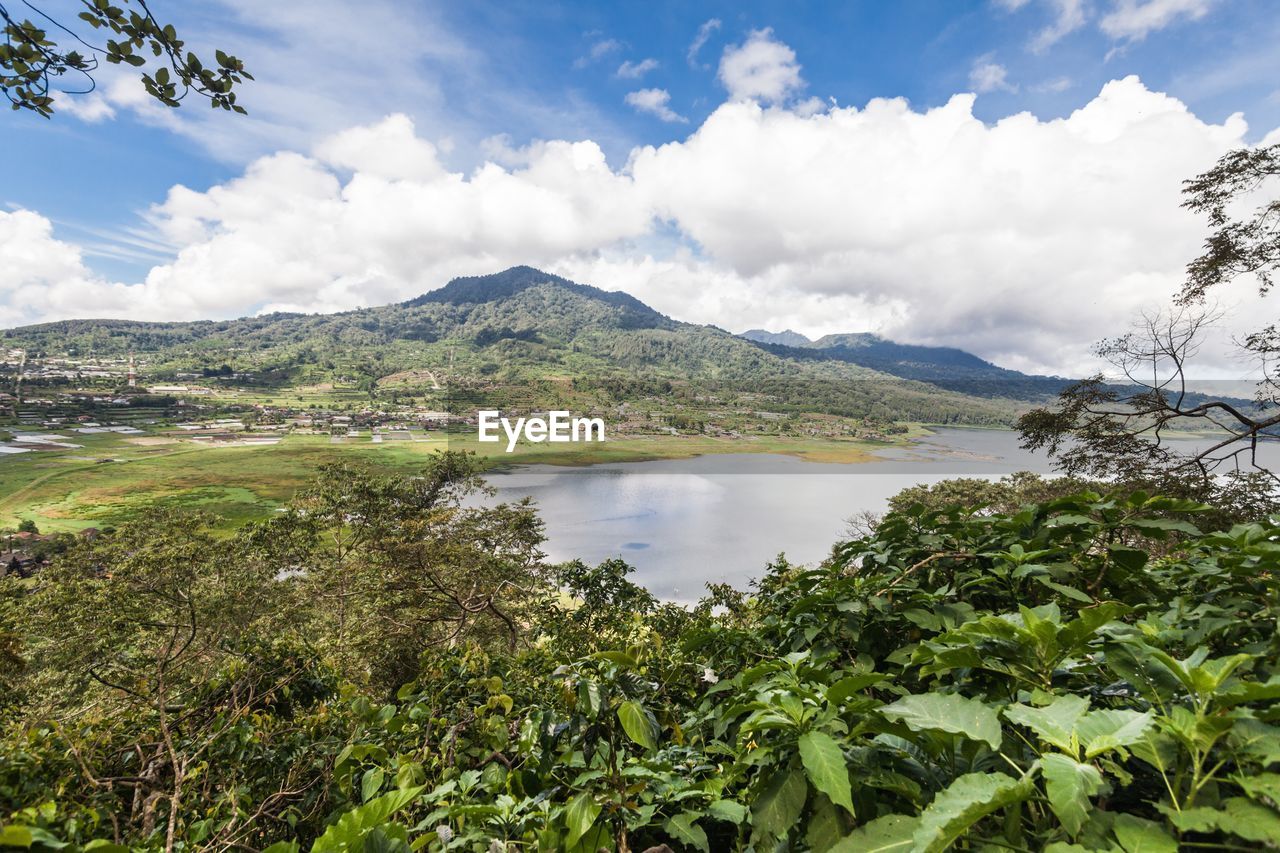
112	477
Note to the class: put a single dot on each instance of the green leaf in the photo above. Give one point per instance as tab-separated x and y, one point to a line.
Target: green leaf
1070	785
824	762
620	658
1162	525
1238	816
12	835
638	723
846	687
580	814
728	811
889	834
1101	731
682	828
778	808
966	801
1055	722
947	712
1136	835
371	784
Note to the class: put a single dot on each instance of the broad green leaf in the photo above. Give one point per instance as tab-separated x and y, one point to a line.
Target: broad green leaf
682	828
889	834
1055	722
579	815
1070	785
638	723
1263	785
1238	816
1108	729
1136	835
778	808
824	762
12	835
846	687
947	712
965	801
278	847
728	811
371	784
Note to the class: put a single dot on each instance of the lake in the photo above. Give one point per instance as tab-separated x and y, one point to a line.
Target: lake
721	518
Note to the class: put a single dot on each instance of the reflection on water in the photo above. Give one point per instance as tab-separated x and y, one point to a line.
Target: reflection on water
684	523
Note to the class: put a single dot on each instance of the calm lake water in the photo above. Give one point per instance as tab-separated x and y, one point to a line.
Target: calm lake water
721	518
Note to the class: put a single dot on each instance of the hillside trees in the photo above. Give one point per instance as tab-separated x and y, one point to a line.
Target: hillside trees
1089	672
1104	430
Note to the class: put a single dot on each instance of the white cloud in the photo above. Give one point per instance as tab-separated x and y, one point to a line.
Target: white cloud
655	102
91	108
704	32
1134	19
1023	240
629	70
598	50
988	76
1069	16
761	68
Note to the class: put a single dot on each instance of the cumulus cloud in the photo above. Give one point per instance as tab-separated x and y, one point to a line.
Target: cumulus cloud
1022	240
989	76
1134	19
761	68
704	33
629	70
655	102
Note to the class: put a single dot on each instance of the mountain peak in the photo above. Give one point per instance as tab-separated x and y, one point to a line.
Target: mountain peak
786	337
510	283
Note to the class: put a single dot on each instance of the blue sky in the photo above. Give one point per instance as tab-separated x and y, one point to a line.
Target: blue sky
481	81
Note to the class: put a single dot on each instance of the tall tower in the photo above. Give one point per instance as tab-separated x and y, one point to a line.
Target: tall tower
133	373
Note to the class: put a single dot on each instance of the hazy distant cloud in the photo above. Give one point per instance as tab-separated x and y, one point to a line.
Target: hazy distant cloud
1053	86
988	76
761	68
704	32
629	70
655	102
598	50
1134	19
1130	20
1069	16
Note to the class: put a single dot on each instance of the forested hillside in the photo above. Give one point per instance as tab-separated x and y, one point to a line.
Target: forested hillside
523	325
388	667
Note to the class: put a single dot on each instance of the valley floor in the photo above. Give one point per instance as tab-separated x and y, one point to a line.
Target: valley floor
78	480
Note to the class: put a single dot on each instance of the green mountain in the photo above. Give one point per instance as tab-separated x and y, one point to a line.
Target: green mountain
521	326
945	367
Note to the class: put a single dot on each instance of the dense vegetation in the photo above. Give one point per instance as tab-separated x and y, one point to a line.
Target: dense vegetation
389	666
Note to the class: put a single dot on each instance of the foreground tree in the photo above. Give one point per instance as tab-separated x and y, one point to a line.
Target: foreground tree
1108	430
31	61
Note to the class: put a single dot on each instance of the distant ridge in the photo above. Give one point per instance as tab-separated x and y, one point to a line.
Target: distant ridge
786	337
